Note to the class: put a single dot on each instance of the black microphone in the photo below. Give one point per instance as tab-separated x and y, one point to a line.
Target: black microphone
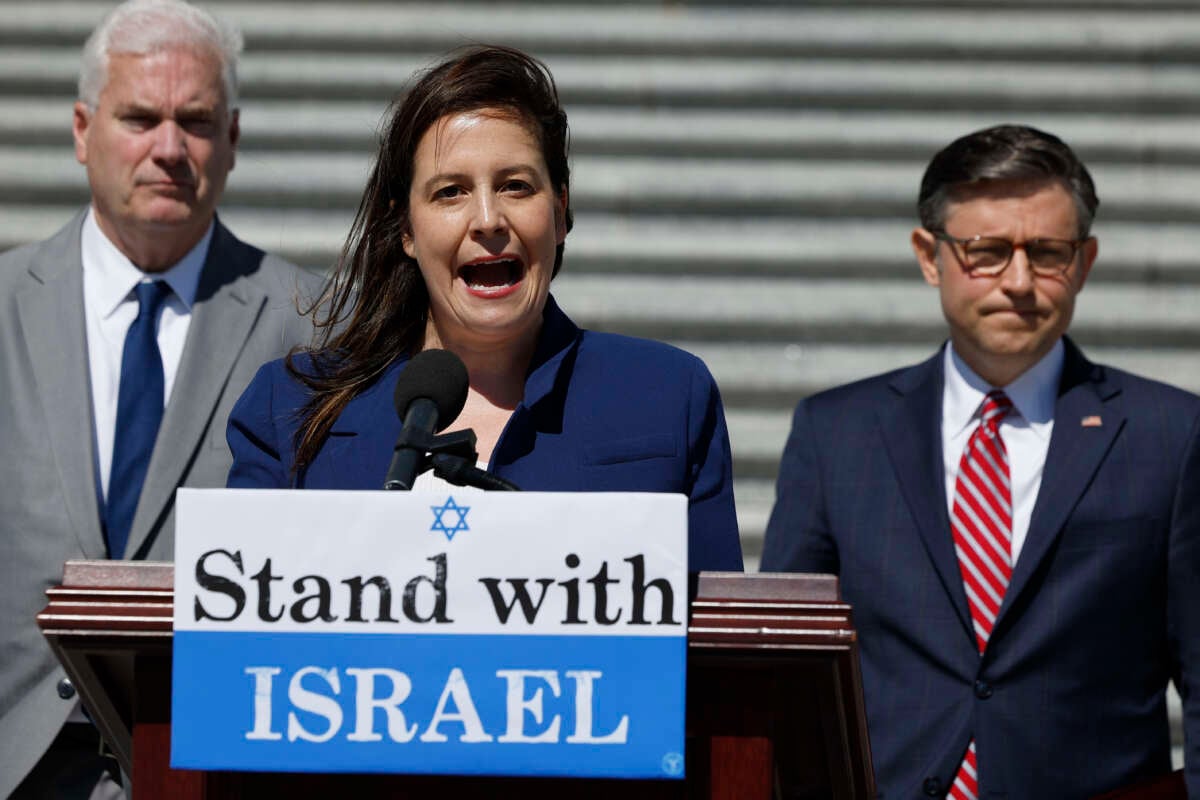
430	394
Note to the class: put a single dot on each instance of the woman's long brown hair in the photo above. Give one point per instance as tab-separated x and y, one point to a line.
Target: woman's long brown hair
373	308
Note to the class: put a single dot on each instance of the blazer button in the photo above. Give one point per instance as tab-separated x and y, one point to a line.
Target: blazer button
66	689
983	690
933	787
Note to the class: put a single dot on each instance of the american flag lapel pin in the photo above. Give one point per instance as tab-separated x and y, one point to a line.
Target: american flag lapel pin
1091	421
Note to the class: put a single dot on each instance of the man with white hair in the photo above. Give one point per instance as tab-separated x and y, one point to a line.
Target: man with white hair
125	338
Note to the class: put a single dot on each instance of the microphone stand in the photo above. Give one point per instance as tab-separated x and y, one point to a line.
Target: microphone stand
452	457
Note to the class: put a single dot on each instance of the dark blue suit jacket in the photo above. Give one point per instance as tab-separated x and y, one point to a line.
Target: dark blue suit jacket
1103	607
601	413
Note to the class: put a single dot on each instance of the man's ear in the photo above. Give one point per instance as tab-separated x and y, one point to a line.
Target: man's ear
235	135
924	245
1087	257
80	120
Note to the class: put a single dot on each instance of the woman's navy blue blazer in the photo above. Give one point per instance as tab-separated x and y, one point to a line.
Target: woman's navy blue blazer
601	413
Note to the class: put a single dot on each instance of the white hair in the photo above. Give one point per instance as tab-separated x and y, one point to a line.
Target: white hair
143	27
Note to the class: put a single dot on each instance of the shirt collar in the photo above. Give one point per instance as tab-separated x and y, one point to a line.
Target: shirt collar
1032	394
115	275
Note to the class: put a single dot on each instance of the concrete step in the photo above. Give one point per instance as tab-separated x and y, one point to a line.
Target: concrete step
883	311
845	248
755	498
774	376
1038	34
942	6
687	81
877	134
757	439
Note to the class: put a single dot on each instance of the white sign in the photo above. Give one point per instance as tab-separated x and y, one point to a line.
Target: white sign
472	633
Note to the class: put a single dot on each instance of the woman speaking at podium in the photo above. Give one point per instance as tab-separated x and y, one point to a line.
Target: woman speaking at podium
456	240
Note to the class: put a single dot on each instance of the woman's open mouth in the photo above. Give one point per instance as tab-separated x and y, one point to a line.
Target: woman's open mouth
492	277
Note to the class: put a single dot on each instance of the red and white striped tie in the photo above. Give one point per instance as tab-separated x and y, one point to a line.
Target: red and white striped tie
982	523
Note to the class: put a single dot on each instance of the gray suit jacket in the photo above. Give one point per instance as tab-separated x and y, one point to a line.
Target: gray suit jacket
244	315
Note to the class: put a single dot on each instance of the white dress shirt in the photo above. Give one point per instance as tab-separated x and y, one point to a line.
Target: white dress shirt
110	307
1025	430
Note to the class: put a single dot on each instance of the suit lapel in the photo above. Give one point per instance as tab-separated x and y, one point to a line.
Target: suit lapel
911	427
52	323
1076	452
225	312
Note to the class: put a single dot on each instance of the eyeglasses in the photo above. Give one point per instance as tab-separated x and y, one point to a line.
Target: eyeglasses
988	256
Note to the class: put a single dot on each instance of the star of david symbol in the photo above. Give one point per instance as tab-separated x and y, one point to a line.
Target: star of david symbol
439	523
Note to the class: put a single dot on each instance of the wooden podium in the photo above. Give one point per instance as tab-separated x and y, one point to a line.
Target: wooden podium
774	696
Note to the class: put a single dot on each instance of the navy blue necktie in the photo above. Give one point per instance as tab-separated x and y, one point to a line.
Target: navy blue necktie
139	411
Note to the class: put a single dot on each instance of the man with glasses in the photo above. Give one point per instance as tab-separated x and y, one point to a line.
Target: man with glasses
1017	528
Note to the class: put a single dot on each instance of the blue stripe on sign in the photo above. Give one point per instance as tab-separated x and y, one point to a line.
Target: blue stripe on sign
302	702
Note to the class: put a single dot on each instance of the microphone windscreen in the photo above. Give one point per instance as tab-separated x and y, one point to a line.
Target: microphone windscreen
438	375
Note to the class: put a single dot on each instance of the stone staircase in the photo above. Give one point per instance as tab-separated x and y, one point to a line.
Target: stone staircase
744	174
